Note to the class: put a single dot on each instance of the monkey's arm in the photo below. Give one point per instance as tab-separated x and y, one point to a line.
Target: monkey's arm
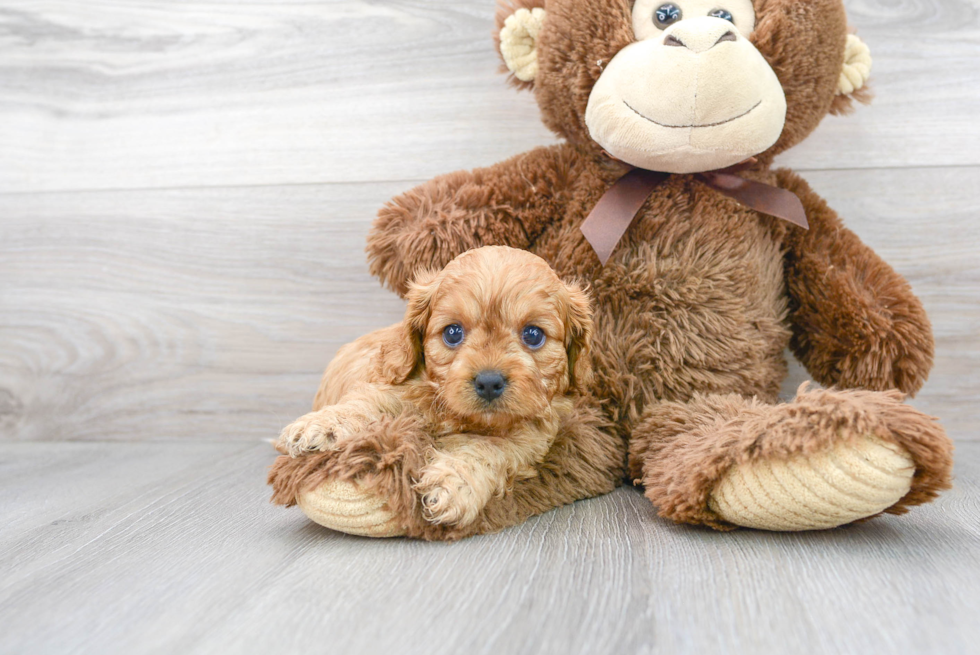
507	204
855	321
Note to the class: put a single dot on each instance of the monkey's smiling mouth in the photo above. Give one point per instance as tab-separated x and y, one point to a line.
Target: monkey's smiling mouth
727	120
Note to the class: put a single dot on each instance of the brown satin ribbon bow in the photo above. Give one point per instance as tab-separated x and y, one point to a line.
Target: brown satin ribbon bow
618	206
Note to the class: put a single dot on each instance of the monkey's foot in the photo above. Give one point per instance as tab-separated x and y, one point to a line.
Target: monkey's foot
360	485
850	481
827	458
345	507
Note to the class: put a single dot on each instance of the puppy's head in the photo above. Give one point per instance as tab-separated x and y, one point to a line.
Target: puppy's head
497	334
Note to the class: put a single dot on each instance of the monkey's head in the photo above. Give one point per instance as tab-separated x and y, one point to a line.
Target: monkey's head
684	86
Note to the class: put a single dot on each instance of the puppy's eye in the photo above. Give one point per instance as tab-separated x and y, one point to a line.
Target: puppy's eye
452	335
723	14
667	14
532	336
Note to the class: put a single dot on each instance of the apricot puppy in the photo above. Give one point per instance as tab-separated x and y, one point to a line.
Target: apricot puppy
490	353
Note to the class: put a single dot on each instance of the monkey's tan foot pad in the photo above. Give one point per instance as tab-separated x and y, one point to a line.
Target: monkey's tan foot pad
853	480
343	506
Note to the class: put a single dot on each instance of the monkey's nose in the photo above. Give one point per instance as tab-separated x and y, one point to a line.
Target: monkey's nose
699	34
489	385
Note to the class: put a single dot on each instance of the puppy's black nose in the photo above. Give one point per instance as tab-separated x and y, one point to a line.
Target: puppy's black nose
489	384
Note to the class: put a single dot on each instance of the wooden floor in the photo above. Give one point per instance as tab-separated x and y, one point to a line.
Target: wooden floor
185	188
173	548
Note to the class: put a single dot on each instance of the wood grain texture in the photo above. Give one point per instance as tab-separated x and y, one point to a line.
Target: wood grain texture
210	314
173	548
124	94
203	314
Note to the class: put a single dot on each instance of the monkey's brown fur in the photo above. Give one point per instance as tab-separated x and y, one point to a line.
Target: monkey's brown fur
698	302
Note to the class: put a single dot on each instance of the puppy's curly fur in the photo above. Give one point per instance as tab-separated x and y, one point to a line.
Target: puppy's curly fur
480	444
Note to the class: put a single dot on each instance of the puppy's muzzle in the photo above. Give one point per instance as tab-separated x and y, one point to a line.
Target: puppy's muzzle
489	385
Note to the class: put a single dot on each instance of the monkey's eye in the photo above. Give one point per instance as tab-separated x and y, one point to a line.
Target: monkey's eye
665	15
723	14
452	335
532	336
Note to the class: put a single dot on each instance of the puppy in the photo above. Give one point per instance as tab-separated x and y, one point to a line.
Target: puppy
490	353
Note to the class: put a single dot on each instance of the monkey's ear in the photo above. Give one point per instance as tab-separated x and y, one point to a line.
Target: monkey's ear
518	26
403	353
578	338
852	83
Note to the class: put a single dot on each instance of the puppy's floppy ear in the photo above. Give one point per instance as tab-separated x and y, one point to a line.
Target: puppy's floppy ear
578	337
400	355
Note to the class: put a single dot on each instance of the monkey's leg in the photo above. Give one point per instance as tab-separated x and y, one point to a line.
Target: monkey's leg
362	484
825	459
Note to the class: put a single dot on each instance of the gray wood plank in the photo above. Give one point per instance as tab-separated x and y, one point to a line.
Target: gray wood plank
907	37
192	559
158	315
122	94
81	487
210	314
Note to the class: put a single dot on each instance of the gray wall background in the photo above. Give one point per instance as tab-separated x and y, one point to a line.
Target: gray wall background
185	188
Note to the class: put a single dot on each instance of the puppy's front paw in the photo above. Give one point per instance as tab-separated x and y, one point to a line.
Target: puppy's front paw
317	431
448	498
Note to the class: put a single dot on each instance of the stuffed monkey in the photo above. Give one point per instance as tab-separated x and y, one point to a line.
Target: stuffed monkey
702	270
